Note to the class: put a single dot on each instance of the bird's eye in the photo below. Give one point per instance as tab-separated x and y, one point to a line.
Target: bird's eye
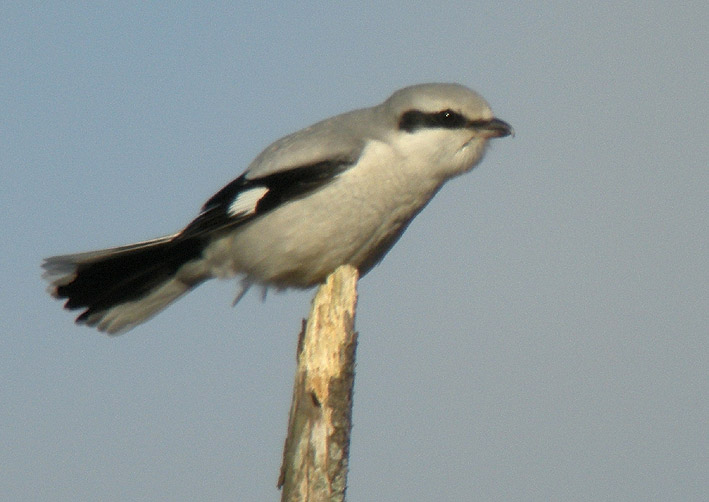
450	119
414	119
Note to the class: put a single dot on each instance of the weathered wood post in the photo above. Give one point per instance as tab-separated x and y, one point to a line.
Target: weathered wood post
316	451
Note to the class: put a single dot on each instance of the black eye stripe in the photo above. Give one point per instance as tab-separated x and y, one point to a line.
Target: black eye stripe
447	119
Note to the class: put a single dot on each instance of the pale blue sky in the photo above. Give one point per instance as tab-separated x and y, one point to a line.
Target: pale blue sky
539	333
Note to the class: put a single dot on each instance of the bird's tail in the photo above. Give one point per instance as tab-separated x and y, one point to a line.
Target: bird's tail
121	287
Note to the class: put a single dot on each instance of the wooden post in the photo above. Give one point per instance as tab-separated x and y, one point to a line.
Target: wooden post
316	451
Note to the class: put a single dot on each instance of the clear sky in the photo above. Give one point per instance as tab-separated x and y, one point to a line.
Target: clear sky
539	333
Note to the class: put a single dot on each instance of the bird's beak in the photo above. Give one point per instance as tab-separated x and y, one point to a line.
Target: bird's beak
496	128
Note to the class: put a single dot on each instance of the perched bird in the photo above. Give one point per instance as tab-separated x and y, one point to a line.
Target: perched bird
341	191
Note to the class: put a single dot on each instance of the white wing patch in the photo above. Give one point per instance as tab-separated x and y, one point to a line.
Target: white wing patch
245	202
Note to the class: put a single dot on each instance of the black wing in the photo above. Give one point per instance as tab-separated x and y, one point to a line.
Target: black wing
245	199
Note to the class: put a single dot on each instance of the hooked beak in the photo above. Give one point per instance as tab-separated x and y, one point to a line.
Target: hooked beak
495	128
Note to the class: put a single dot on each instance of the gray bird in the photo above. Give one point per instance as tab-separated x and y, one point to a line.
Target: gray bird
341	191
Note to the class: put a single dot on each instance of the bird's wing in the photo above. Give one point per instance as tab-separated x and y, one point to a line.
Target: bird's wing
273	179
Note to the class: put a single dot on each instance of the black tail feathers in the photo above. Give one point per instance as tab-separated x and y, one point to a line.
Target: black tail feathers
120	287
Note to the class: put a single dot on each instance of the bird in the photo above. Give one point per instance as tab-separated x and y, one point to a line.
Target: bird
341	191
